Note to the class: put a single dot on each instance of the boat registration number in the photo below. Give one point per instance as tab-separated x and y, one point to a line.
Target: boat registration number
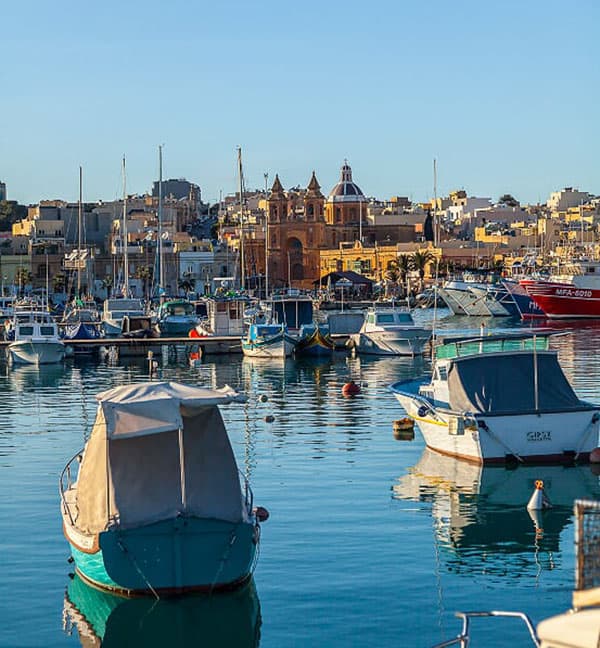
568	292
539	435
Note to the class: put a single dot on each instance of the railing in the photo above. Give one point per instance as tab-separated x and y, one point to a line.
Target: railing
490	344
463	639
66	481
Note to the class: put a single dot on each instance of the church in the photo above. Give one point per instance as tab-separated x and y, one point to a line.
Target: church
302	223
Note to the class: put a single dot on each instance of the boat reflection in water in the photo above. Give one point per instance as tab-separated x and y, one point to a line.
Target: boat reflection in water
480	518
227	620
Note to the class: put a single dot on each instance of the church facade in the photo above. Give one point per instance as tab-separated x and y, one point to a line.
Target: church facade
303	224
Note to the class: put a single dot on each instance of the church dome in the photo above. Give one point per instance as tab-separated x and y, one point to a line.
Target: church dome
346	190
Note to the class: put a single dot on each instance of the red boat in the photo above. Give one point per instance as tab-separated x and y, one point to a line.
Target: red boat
579	298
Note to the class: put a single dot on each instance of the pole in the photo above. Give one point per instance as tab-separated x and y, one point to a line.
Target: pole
536	395
266	237
161	271
242	260
125	237
435	206
79	221
360	236
289	271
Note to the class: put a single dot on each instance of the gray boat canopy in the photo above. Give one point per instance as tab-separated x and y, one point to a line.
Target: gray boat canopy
505	383
156	451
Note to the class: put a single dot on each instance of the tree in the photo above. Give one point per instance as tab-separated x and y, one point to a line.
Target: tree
145	273
508	200
10	213
391	276
404	267
23	277
187	283
107	284
419	261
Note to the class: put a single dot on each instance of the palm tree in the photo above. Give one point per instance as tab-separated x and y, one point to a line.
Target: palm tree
404	267
144	272
23	277
107	284
391	276
419	261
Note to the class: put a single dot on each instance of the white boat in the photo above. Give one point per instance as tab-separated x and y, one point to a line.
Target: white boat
390	331
224	317
500	398
36	340
268	341
461	300
114	310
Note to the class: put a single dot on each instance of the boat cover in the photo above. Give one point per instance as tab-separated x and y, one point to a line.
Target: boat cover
134	471
505	384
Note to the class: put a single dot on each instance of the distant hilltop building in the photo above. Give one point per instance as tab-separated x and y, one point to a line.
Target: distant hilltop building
2	191
567	198
179	189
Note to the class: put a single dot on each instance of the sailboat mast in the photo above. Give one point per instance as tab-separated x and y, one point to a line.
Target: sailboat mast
79	221
161	272
435	205
242	261
266	236
125	236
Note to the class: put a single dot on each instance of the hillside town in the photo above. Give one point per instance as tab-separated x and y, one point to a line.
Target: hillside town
277	237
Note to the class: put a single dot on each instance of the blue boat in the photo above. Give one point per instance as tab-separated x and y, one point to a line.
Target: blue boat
527	308
314	340
176	317
175	522
268	341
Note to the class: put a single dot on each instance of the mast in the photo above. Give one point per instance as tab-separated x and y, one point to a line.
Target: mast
79	221
242	260
125	236
435	207
161	271
360	236
266	237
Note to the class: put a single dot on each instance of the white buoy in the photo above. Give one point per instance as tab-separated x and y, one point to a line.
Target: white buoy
538	501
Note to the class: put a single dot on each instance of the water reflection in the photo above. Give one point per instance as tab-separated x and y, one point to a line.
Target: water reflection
102	619
479	514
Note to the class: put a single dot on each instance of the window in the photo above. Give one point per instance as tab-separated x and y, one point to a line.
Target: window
25	330
46	330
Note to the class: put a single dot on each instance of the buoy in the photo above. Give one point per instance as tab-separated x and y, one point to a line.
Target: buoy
262	515
595	455
538	501
269	418
350	389
263	398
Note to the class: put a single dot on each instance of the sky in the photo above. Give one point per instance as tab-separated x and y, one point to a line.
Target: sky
504	95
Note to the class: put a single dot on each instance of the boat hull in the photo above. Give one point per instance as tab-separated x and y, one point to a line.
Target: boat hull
315	345
409	342
173	556
36	353
279	346
177	326
526	307
563	300
554	437
462	301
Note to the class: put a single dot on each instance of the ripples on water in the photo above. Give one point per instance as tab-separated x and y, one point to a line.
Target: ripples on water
370	542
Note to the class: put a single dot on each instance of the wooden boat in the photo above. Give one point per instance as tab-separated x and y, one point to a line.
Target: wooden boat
177	521
314	340
268	341
500	398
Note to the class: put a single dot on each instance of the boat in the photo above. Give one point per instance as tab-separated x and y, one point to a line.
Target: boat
224	317
568	296
115	310
526	307
290	307
390	331
467	296
81	321
35	339
175	317
314	340
497	399
176	522
268	341
101	618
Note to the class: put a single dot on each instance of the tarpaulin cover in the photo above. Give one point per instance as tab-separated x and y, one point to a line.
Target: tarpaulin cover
132	471
505	384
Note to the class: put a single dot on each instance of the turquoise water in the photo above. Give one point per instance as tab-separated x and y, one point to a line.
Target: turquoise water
370	542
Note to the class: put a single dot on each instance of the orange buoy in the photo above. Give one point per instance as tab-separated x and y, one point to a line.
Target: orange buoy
595	455
350	389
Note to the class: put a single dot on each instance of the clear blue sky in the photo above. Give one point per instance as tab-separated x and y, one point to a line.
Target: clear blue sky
506	95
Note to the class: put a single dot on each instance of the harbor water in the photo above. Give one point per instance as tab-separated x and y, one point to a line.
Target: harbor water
370	541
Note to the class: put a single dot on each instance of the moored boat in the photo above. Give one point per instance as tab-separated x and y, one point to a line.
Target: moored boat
495	399
35	339
115	310
177	521
268	341
314	340
176	317
390	331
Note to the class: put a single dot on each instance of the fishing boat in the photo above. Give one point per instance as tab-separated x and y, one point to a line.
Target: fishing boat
314	340
175	522
526	307
35	339
115	310
390	331
268	341
81	321
176	317
494	399
573	295
224	317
